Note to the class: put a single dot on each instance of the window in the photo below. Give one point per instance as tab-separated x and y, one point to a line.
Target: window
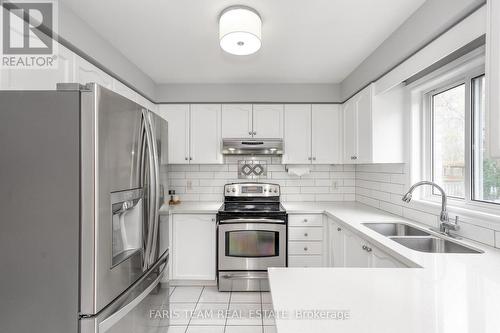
457	154
486	169
448	140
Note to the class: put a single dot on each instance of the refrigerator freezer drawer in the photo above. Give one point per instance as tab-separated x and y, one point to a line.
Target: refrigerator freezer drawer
143	308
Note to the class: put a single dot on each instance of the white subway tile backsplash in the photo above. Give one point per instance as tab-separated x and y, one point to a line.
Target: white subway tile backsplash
329	197
392	188
368	201
422	217
391	208
314	190
349	197
214	167
299	197
480	234
176	174
323	183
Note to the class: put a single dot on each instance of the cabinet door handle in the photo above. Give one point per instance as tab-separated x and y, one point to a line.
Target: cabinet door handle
314	158
190	158
186	158
339	229
364	247
213	219
354	157
250	133
309	158
368	249
254	133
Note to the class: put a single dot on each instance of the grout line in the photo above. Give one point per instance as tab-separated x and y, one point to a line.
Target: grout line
195	306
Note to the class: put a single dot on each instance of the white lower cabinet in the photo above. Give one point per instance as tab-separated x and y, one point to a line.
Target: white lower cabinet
383	260
347	249
193	247
336	244
305	240
355	254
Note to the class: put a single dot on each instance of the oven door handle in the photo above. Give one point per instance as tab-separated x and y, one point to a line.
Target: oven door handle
244	277
252	221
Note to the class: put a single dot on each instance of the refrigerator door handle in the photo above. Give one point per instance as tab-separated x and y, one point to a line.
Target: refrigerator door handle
152	191
121	312
156	217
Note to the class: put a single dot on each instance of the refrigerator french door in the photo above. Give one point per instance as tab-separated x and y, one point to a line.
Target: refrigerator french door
81	191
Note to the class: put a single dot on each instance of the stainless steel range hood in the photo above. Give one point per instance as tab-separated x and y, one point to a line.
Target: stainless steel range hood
252	147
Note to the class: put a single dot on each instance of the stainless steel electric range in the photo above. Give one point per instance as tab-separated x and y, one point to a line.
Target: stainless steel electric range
252	236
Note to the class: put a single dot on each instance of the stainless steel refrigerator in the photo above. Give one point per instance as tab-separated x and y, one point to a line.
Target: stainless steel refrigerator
82	179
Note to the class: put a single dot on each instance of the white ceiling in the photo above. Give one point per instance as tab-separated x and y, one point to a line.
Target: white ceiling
303	41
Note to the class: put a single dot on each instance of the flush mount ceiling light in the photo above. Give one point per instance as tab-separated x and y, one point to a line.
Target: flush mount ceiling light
240	30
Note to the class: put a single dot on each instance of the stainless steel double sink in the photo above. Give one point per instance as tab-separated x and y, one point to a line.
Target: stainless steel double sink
418	239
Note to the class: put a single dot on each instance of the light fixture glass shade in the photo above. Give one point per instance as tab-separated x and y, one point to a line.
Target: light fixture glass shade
240	31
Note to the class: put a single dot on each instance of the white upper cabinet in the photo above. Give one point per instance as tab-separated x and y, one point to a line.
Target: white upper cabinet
205	138
193	133
85	72
326	134
313	134
237	121
252	121
268	121
177	116
297	134
374	127
350	131
493	77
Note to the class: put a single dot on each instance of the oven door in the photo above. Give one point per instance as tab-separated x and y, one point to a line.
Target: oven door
251	246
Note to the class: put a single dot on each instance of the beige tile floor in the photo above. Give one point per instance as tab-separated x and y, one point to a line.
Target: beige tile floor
206	310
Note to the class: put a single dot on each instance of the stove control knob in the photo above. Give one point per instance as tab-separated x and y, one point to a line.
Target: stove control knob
228	190
265	190
275	191
233	190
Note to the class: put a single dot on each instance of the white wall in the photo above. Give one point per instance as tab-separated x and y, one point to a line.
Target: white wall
244	93
83	37
324	183
428	22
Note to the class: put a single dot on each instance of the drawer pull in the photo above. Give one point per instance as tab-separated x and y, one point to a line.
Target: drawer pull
339	229
305	220
306	234
305	248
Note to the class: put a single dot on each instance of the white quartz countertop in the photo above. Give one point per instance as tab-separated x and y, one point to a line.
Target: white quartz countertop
449	293
192	208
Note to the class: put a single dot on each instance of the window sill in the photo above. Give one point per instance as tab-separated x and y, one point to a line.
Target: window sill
475	214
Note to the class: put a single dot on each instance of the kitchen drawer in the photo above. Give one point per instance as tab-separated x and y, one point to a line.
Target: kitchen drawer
305	248
305	261
305	233
305	220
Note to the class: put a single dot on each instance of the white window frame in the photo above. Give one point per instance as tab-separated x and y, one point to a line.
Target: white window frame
460	71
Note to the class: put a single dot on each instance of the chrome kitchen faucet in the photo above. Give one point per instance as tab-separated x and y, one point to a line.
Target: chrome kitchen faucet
445	225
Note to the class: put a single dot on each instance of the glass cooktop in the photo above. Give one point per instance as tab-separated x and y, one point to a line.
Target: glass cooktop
252	207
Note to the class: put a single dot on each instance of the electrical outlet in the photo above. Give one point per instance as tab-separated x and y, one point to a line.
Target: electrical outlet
189	184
